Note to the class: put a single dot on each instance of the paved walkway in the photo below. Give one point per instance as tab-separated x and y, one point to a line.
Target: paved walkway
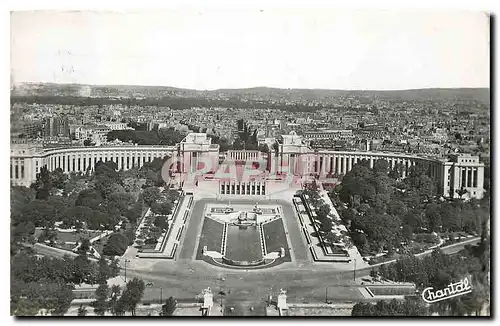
295	239
192	234
446	249
310	234
43	249
178	225
353	251
154	309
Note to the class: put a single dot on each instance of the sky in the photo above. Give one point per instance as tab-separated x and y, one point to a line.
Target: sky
210	49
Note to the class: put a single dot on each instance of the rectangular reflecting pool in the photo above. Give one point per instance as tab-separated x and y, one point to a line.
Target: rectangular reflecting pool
243	244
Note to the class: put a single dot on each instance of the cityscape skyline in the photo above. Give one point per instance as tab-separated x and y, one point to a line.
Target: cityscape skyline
239	163
345	50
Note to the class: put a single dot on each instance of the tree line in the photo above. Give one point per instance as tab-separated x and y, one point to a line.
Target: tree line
84	201
162	136
384	211
171	102
437	271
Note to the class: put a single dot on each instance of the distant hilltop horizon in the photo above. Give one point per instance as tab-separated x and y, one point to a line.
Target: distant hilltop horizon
17	84
22	89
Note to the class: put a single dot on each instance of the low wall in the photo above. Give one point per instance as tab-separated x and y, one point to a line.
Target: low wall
159	253
55	252
242	262
344	254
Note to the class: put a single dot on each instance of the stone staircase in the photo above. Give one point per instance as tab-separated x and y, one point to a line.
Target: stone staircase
262	240
224	238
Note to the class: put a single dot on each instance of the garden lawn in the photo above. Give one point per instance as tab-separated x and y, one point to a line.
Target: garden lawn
211	235
274	235
72	236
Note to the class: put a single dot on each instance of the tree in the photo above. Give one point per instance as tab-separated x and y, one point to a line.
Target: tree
396	207
88	142
27	298
19	198
433	216
48	234
323	210
332	238
151	240
419	180
409	307
40	213
359	239
161	222
164	208
106	178
169	307
57	298
363	309
396	172
84	271
23	307
462	191
133	294
133	213
414	219
348	214
84	247
121	201
357	183
114	268
58	178
381	230
407	233
381	166
130	235
43	184
107	270
82	311
100	304
23	231
151	195
90	198
116	245
326	225
115	308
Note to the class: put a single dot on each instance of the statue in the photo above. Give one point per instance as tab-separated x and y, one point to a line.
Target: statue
207	299
256	209
282	300
204	252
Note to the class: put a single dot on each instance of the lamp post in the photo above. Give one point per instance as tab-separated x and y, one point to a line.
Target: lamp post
126	261
151	285
221	292
354	269
326	294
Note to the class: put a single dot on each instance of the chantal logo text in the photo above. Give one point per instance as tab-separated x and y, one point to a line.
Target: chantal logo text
452	290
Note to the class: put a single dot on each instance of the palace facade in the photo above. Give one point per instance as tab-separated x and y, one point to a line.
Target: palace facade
292	156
